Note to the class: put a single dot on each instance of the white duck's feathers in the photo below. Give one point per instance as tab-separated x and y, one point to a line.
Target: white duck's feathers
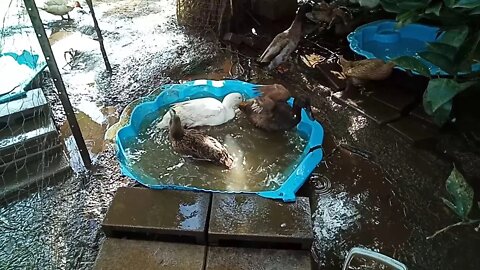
57	7
202	112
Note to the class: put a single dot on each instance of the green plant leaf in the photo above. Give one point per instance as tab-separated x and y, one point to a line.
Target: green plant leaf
449	3
464	56
391	6
449	204
434	9
467	4
443	49
412	63
461	193
475	11
476	54
442	114
439	60
409	5
406	18
440	91
455	36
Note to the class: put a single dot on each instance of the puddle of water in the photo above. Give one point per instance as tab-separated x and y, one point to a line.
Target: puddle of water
261	160
350	212
93	121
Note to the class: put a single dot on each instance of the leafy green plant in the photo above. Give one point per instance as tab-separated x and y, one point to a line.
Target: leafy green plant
461	202
461	193
455	51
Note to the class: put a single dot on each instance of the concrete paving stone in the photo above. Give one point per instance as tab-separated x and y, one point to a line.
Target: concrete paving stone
223	258
420	114
377	111
413	130
250	220
124	254
394	96
165	214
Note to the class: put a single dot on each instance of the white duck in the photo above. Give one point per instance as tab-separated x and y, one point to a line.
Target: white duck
59	7
204	111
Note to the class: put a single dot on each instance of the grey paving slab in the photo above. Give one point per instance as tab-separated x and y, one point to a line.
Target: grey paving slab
168	214
245	218
124	254
223	258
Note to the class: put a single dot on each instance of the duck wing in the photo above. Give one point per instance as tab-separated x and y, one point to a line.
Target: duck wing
276	92
259	112
284	117
206	147
275	47
284	54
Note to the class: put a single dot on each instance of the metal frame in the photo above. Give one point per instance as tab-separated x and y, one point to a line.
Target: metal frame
56	75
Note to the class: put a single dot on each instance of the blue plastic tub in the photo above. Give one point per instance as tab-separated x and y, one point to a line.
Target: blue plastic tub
380	39
30	60
309	129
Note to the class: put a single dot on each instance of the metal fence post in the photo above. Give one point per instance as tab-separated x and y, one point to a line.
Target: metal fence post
57	79
99	36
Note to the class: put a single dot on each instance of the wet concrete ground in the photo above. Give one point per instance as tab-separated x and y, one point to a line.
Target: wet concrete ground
385	196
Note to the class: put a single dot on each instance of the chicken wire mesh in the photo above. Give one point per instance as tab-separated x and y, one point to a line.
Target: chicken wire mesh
204	15
49	217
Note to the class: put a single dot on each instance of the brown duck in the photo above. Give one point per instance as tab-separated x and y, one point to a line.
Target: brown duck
269	115
275	92
367	69
196	144
285	42
358	72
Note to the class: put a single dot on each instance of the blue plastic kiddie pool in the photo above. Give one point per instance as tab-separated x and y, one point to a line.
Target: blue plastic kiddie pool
381	39
308	128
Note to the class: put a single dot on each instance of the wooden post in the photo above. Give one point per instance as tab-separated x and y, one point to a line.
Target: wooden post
57	79
99	36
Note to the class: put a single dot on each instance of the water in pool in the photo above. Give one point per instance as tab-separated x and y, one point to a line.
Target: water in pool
262	160
388	51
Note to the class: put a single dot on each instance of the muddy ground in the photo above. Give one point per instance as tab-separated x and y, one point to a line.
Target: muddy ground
373	189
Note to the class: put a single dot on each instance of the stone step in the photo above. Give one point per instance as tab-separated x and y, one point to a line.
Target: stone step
23	161
414	130
17	111
252	221
29	137
168	215
16	184
119	254
222	258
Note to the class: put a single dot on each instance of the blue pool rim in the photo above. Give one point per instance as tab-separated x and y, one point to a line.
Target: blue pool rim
173	93
427	33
